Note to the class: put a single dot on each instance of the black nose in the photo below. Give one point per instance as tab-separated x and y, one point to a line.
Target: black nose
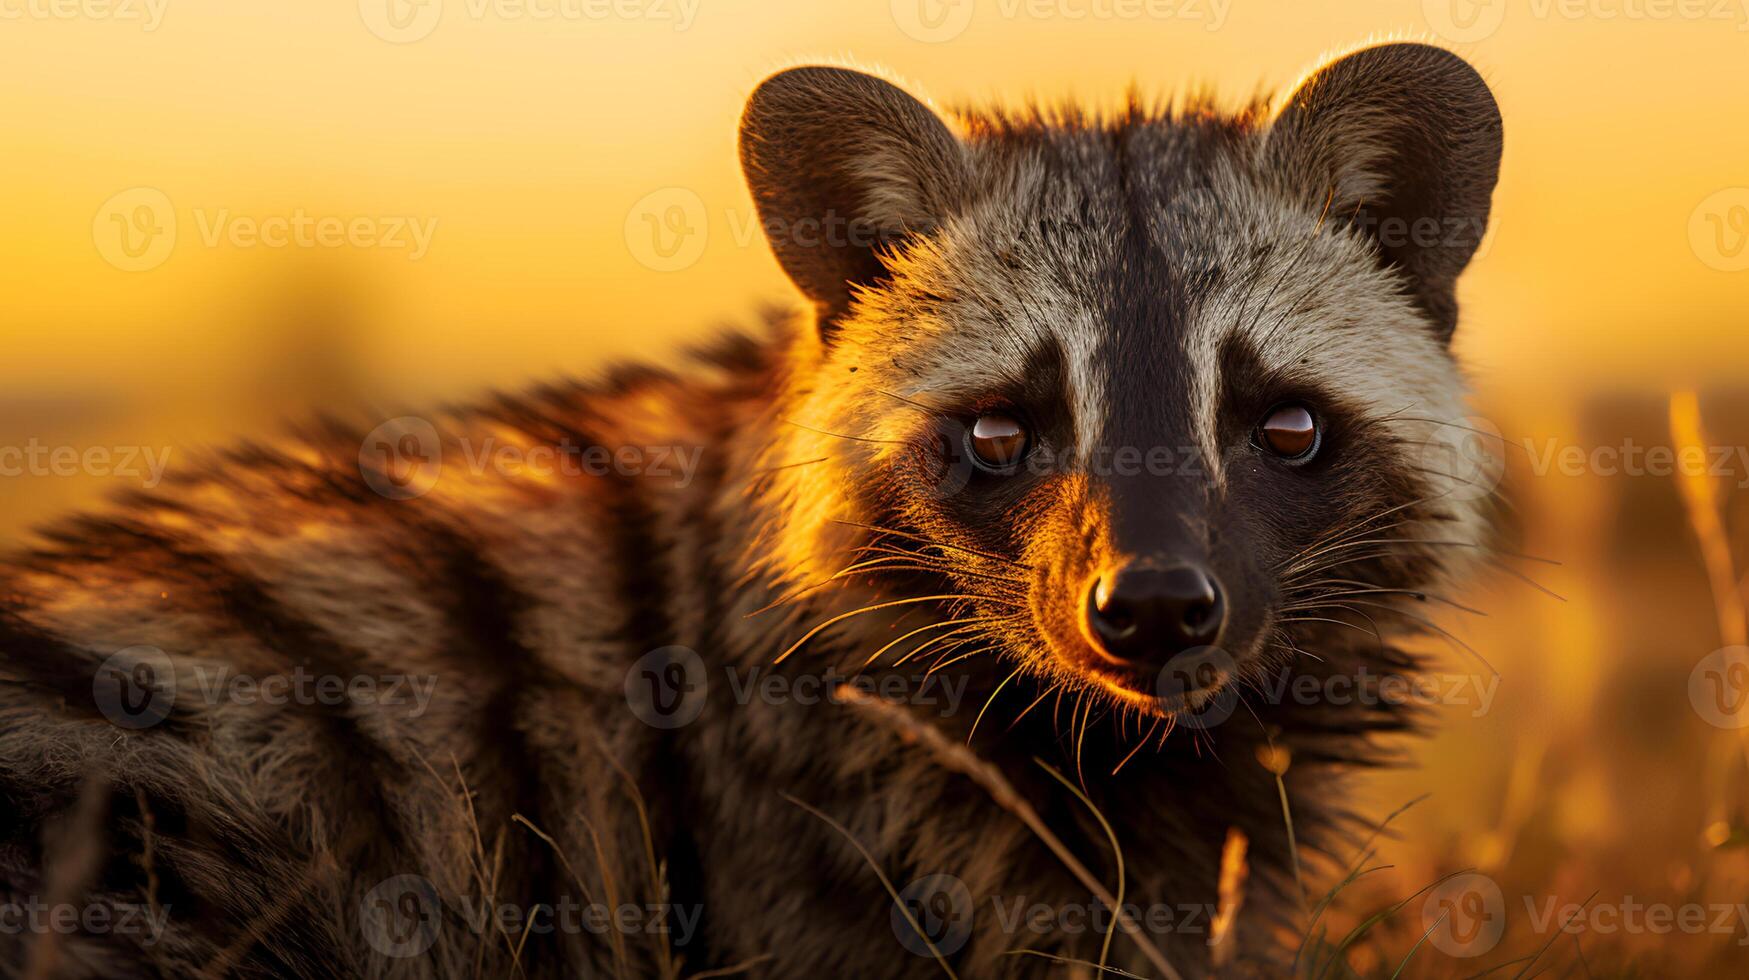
1145	614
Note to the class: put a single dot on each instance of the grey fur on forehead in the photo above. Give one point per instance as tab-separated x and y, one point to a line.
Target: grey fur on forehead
1252	234
1042	223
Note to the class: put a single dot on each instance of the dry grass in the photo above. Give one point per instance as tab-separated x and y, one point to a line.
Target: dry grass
1549	794
1587	790
1598	785
962	760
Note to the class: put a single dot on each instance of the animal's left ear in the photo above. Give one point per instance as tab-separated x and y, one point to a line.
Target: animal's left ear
1403	140
844	167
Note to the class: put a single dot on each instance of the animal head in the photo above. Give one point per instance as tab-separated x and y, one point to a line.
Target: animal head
1143	385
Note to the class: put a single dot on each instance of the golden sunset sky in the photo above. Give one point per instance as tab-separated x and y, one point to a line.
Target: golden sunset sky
223	214
525	137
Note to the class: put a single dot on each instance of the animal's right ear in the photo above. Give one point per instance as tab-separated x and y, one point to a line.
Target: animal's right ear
843	168
1402	140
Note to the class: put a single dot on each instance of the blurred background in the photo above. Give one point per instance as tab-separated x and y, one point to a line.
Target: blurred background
219	216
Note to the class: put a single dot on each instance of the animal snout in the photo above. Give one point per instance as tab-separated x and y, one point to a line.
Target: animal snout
1143	614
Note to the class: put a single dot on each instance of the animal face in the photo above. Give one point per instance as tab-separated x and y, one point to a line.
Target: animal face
1158	391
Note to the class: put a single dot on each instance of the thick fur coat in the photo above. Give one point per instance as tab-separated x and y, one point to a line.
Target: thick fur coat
572	685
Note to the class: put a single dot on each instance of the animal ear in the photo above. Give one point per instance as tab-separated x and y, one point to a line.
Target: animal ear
1402	141
843	167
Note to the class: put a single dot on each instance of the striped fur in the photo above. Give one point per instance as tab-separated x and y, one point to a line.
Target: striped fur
1151	279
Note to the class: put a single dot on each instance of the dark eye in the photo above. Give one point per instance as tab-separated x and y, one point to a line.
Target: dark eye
998	440
1289	431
